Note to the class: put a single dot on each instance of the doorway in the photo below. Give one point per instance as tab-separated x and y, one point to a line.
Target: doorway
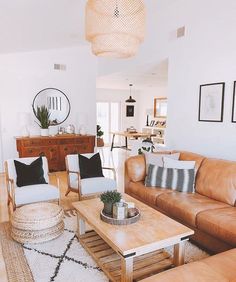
109	118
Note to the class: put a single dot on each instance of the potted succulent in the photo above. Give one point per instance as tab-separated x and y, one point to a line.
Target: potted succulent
109	198
100	133
43	116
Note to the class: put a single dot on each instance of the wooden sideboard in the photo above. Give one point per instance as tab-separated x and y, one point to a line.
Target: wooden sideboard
55	148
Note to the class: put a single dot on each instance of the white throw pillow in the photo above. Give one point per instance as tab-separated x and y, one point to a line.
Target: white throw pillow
170	163
157	159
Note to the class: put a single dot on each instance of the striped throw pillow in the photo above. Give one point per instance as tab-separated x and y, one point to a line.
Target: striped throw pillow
181	180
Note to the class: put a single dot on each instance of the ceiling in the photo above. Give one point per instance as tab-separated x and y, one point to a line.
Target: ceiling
27	25
148	76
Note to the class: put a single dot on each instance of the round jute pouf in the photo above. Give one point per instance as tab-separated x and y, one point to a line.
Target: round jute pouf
37	223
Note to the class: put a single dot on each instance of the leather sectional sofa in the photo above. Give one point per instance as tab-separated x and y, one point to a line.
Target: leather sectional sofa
210	211
218	268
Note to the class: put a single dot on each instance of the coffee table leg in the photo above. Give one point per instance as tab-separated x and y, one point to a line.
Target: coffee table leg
81	226
127	269
179	254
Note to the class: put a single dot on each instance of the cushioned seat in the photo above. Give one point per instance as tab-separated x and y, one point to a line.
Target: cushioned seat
218	268
220	222
94	185
148	194
35	193
185	207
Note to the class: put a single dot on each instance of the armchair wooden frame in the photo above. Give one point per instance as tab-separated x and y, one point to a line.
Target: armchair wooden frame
11	190
71	189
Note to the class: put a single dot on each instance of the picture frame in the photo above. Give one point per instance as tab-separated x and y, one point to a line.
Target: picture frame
129	111
211	102
233	119
160	107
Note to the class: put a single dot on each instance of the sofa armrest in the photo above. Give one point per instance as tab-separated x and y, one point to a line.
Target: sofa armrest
135	169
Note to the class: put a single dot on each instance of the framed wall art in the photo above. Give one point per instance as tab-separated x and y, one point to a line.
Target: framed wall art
130	111
234	104
211	102
160	107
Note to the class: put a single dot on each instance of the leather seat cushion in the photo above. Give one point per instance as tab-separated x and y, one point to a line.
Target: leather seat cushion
220	223
36	193
148	194
218	268
216	179
185	207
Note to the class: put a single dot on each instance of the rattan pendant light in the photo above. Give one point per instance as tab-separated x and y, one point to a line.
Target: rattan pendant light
115	28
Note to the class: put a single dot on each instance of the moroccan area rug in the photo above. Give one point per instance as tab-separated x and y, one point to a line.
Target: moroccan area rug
62	259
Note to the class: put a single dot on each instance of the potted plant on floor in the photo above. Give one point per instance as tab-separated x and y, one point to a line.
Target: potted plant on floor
100	133
109	198
43	116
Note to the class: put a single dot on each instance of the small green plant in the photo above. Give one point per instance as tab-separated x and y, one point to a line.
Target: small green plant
100	133
43	116
110	197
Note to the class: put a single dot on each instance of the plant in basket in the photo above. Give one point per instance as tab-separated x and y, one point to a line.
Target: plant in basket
109	198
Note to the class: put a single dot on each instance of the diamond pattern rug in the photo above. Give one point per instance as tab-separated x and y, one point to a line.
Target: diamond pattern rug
60	260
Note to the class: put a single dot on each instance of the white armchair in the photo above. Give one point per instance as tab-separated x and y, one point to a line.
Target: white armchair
20	196
88	187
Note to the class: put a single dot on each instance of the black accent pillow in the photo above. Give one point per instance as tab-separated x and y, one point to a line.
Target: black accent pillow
90	167
30	174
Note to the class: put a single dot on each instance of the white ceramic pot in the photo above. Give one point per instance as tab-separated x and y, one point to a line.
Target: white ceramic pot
44	131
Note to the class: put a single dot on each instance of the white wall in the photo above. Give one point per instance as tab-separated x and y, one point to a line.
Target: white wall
206	55
113	95
23	75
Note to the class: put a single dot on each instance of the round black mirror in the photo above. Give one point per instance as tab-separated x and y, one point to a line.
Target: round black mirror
56	102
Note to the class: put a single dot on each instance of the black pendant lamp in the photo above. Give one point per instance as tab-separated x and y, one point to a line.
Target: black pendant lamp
130	100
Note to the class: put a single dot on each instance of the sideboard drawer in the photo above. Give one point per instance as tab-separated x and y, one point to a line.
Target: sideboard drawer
84	140
32	142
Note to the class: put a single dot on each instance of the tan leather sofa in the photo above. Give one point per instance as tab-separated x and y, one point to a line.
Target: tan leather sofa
218	268
210	211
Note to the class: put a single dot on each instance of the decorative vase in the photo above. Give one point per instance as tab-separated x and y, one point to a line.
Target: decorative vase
44	131
108	209
100	142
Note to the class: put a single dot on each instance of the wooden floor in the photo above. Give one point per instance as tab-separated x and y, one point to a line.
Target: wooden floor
115	159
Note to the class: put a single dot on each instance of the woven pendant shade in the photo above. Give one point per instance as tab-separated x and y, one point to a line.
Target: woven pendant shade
115	28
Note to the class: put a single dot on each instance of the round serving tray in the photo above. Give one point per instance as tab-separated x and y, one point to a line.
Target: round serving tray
115	221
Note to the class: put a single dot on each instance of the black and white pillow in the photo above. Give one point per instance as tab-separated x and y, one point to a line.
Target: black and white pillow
30	174
90	167
181	180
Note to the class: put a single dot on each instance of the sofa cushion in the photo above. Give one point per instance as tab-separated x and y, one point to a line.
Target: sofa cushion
136	168
148	194
218	268
188	156
185	207
216	179
157	158
181	180
220	223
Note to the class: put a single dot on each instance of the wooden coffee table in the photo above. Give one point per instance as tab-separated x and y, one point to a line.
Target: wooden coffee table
132	252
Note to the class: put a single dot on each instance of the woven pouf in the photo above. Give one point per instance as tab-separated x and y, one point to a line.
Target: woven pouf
37	223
